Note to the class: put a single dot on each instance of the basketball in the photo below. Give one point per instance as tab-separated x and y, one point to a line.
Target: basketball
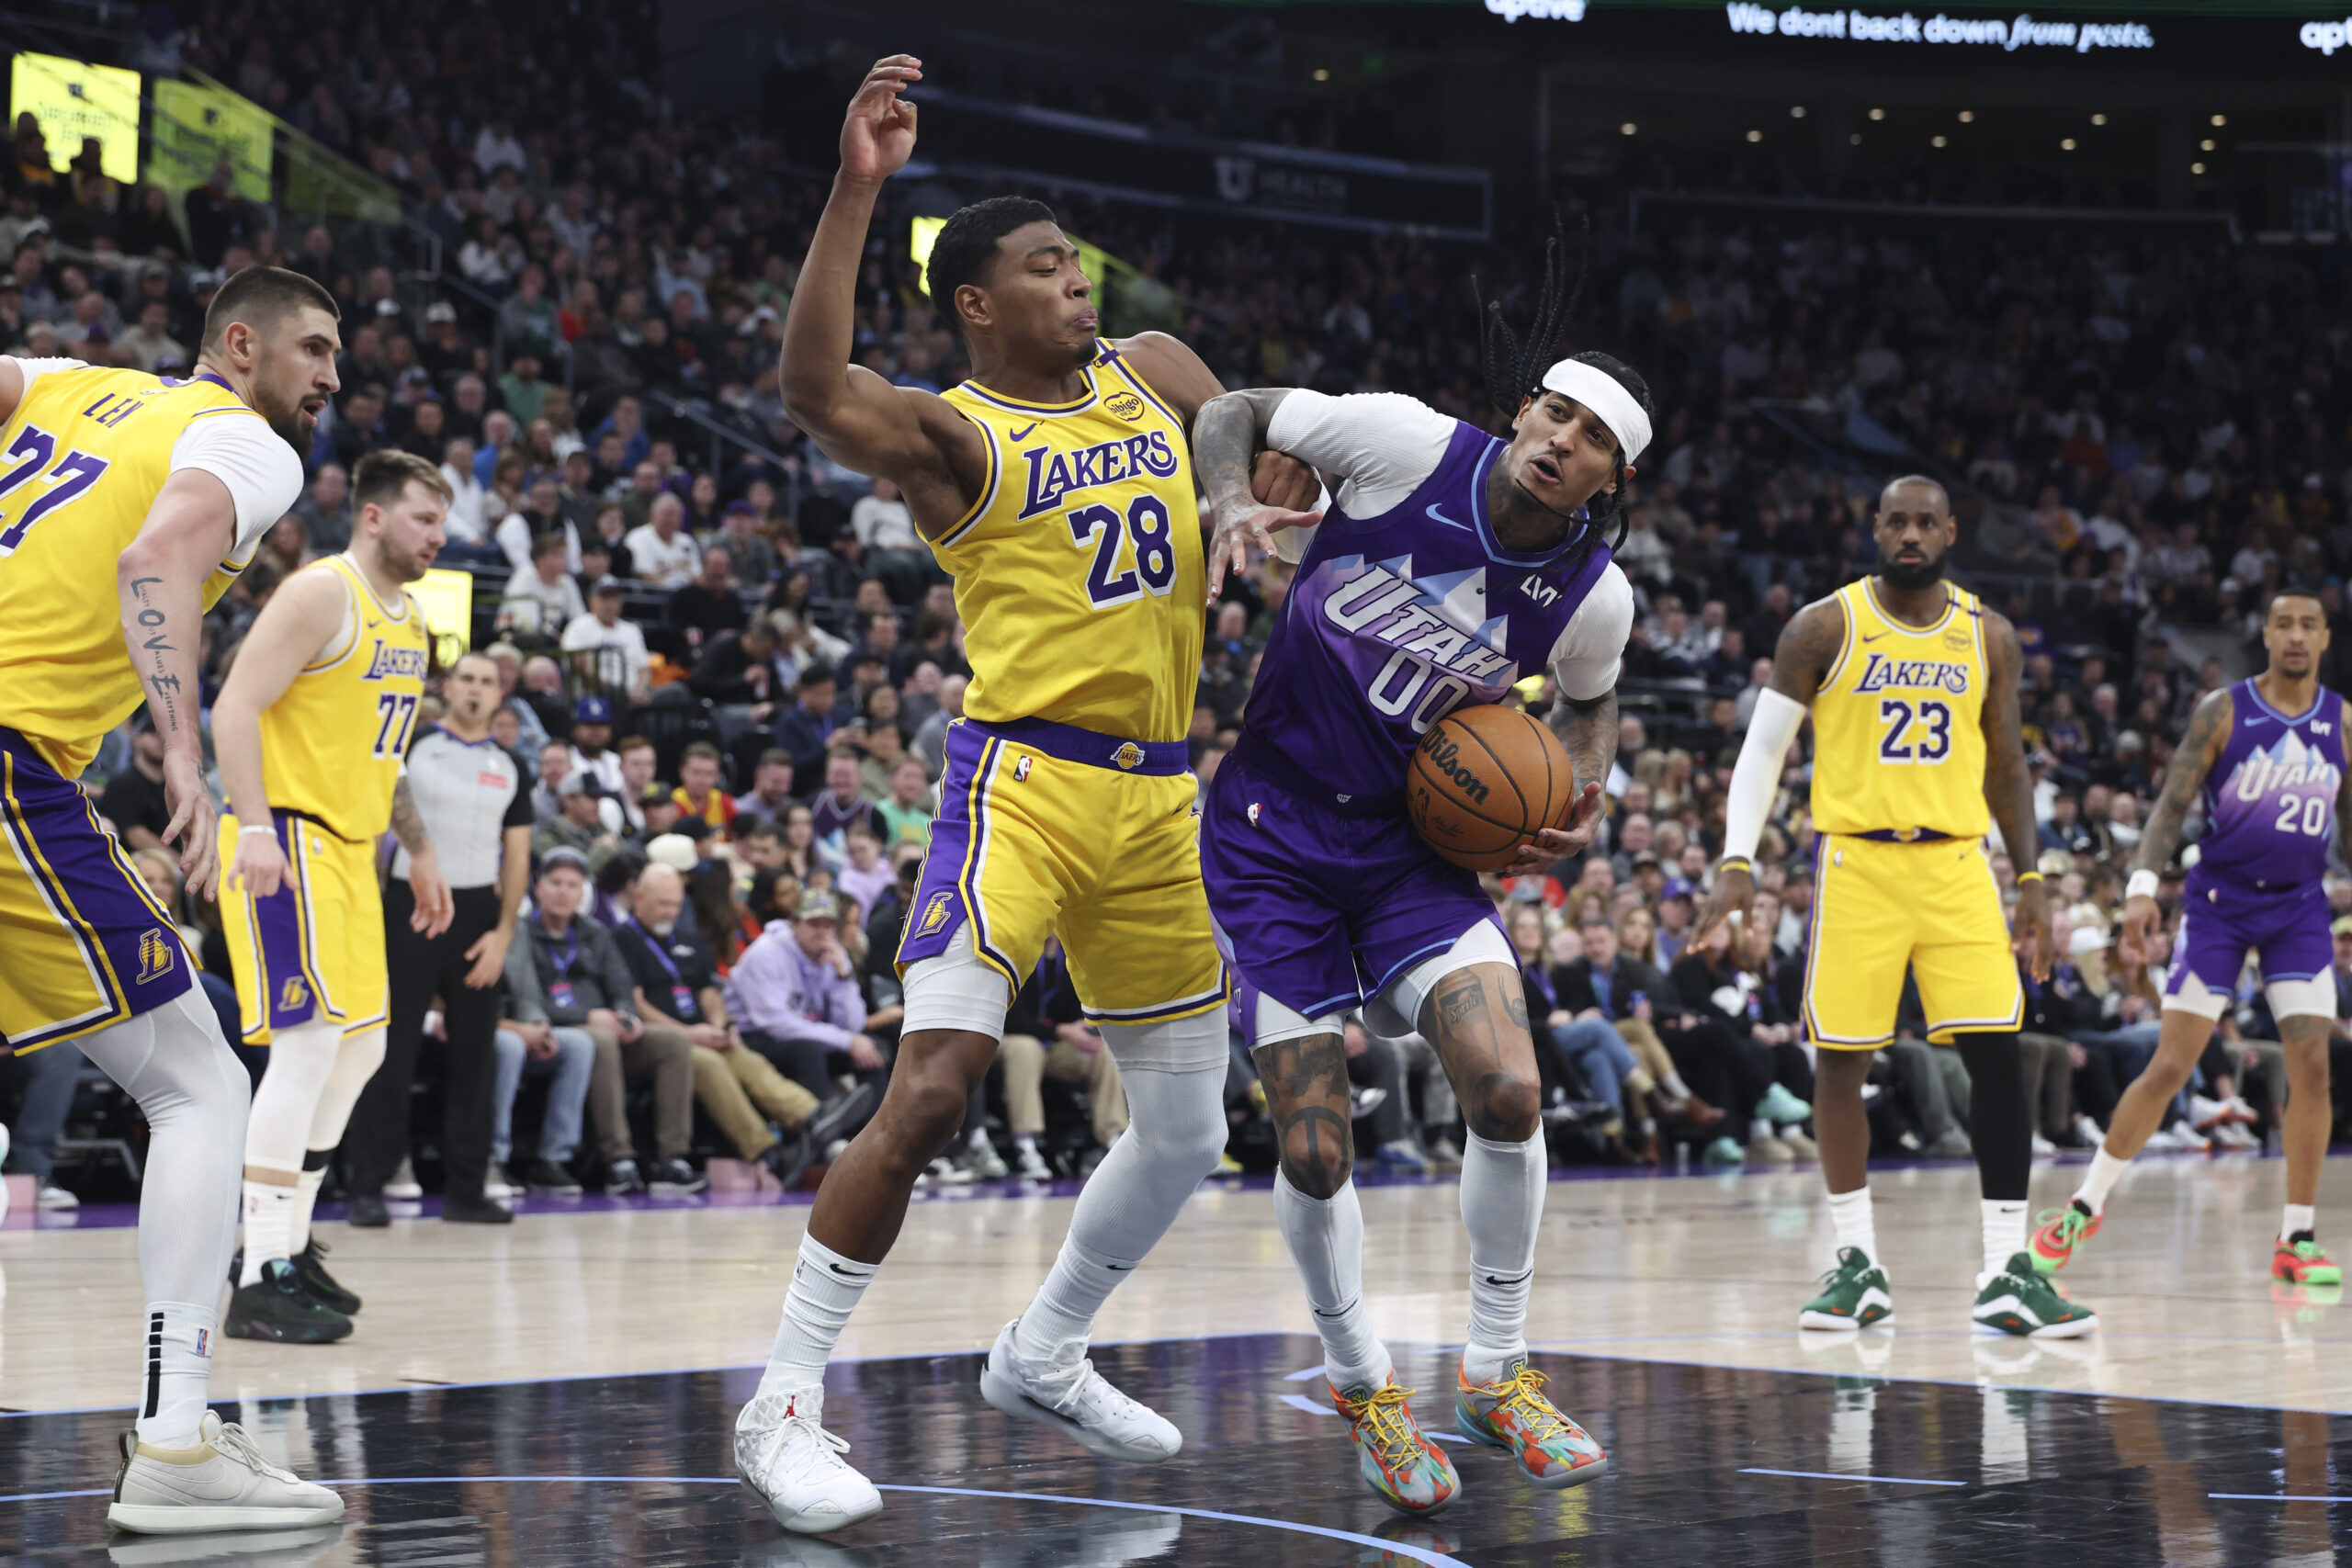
1484	781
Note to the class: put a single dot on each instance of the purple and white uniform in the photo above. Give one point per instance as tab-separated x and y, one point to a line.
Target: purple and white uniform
1404	608
2269	808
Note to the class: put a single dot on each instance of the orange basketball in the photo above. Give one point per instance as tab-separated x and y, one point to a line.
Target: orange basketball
1484	780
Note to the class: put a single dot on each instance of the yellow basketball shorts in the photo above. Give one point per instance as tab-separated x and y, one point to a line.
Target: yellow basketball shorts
313	951
1879	908
1044	828
83	942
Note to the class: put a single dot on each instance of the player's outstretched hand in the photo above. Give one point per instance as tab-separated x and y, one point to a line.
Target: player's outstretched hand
2030	930
194	826
878	135
435	909
1553	845
2141	917
1734	891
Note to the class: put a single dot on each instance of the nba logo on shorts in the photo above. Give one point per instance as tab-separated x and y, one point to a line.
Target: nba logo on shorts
291	997
1129	755
154	955
935	913
1021	771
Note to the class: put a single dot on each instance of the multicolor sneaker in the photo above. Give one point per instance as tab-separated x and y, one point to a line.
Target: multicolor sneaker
1511	1413
2299	1261
2019	1301
1854	1295
1406	1469
2057	1231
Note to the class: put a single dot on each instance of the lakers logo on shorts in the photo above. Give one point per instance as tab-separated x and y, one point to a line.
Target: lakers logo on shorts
935	913
154	955
1129	756
293	997
1127	405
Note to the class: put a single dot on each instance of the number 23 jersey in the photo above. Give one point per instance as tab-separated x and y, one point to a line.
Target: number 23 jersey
1078	570
1898	723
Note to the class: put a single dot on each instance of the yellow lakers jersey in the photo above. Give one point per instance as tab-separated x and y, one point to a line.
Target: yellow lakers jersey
332	743
1897	725
1078	570
80	459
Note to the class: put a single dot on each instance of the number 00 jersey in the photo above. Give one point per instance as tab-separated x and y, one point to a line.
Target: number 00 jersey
1078	570
80	459
332	743
1898	737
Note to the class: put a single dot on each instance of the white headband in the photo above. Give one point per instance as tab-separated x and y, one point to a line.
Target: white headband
1606	396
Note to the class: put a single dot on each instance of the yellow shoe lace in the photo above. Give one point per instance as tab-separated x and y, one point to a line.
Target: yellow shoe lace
1386	1417
1523	1396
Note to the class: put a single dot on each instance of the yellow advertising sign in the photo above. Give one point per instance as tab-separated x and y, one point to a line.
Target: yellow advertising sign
72	101
448	598
1092	260
196	126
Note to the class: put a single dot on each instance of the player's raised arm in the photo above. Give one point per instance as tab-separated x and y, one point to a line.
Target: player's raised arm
1809	645
2209	731
158	586
1250	499
2008	790
855	416
293	629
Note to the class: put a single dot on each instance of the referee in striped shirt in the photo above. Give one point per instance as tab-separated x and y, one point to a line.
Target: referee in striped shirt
475	798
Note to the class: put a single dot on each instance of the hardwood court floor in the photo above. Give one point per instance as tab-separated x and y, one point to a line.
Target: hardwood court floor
612	1344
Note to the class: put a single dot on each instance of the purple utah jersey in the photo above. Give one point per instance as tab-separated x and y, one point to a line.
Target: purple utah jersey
2269	809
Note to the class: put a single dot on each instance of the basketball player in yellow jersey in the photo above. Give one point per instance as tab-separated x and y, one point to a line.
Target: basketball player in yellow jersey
311	731
1913	687
128	503
1058	487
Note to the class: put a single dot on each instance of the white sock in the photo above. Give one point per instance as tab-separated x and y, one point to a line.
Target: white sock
306	1198
2297	1217
179	1360
2005	1230
825	1289
1674	1086
1326	1240
1502	1208
1060	1317
2105	1172
269	1224
1852	1221
1759	1128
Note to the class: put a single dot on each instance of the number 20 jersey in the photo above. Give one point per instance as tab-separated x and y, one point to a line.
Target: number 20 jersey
2270	805
1078	570
1897	725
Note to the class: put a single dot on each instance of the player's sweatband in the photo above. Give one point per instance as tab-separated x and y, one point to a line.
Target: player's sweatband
2026	876
248	832
1735	863
1756	778
2140	885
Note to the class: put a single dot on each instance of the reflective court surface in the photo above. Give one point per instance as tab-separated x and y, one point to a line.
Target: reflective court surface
633	1336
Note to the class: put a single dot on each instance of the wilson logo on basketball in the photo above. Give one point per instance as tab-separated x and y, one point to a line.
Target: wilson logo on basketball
1445	757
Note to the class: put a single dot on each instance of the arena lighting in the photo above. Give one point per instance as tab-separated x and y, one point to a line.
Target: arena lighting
1321	74
1756	136
1968	116
2221	119
2068	143
2099	119
1796	111
2206	145
1628	129
1878	114
1853	139
2196	168
1936	141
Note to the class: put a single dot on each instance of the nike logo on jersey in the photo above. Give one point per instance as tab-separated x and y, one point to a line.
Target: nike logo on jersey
2255	720
1023	431
1437	516
1873	637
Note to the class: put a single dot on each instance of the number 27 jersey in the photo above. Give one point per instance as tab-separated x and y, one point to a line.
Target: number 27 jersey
1898	723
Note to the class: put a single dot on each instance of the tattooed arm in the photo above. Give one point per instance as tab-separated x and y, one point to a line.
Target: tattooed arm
434	909
2209	731
1229	440
2008	789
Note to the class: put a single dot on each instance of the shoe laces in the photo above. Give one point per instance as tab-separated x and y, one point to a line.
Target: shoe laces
1068	1387
2309	1251
1851	1260
233	1440
2069	1223
1523	1397
767	1416
1385	1416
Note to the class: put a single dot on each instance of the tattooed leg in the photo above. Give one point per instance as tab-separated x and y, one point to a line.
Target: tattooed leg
1306	1088
1478	1020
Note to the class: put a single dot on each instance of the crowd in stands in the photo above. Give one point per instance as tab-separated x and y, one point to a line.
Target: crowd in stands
729	667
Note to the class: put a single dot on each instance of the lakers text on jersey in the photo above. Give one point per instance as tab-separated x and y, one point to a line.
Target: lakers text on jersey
332	744
80	459
1901	880
1065	806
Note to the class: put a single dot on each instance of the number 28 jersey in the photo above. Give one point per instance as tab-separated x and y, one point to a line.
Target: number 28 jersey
1897	725
1078	570
332	743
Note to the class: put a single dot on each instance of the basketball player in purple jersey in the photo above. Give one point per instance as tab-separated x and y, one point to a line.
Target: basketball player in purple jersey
1451	564
2264	761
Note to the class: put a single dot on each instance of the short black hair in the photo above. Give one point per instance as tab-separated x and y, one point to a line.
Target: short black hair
2271	605
258	296
965	250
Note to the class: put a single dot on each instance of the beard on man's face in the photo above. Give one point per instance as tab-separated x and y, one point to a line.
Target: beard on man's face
1912	575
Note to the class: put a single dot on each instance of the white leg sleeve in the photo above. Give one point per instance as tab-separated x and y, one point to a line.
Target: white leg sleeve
1398	1009
287	1100
955	990
1326	1240
356	1060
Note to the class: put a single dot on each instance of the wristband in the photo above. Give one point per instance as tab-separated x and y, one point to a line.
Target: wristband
2026	876
2141	885
1735	863
247	832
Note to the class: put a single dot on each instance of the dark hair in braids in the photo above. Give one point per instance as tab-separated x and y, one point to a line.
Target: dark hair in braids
1514	368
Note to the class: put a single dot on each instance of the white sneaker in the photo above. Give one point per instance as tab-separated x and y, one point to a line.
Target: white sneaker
1029	1164
2089	1130
1077	1401
403	1188
498	1186
2206	1114
221	1484
2230	1135
788	1460
2239	1111
54	1198
2042	1147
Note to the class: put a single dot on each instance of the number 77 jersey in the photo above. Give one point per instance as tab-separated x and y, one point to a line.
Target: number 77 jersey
1898	723
332	743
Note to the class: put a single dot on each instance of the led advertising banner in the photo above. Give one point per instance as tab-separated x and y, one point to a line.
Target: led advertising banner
196	126
73	102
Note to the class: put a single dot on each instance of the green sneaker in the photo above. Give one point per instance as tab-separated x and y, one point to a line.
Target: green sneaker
1854	1295
2020	1300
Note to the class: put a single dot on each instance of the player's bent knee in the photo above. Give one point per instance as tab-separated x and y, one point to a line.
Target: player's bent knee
1503	1108
1318	1155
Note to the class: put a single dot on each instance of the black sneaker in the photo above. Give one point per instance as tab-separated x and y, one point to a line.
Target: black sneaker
621	1180
841	1115
310	1267
367	1211
474	1210
276	1308
553	1175
789	1159
676	1178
